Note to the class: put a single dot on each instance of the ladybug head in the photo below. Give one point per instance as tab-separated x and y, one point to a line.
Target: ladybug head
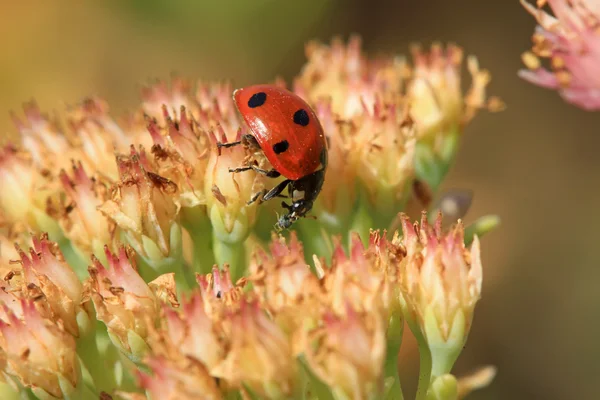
285	221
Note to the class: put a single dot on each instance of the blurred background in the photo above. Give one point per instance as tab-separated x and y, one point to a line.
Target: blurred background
535	164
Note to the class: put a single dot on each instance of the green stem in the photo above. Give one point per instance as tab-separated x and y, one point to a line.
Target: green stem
233	254
184	279
318	389
394	341
425	362
94	362
362	221
314	240
197	224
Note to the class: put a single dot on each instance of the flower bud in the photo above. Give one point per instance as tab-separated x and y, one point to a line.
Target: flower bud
38	353
193	332
369	131
160	95
87	228
179	379
357	280
437	102
47	274
216	107
124	302
385	149
348	353
25	193
42	138
440	282
288	289
142	205
260	358
97	136
181	152
227	193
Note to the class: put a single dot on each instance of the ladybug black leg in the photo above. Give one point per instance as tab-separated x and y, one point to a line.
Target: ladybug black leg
269	173
265	194
276	191
228	144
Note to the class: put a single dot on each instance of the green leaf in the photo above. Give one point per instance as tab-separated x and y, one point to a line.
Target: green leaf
480	227
428	167
318	388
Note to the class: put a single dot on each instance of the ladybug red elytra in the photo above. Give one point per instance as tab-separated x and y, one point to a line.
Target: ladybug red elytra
286	129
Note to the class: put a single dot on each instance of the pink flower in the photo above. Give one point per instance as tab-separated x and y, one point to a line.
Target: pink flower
178	379
571	40
347	353
47	274
38	353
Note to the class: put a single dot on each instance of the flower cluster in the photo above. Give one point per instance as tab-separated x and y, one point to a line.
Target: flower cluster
569	40
134	266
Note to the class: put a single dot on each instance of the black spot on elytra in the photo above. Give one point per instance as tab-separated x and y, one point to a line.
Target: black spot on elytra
301	117
257	99
280	147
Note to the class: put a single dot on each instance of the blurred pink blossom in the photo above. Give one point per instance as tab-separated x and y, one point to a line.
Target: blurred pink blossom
570	39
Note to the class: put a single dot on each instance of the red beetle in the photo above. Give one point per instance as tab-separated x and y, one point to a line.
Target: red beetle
286	129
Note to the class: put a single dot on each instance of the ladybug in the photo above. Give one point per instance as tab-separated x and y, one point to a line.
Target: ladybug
287	131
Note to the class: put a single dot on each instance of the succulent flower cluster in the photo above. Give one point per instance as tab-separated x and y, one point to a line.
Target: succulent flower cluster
132	266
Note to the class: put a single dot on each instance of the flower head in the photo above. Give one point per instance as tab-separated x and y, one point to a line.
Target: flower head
196	333
227	193
82	223
284	279
570	40
124	302
46	274
347	353
42	137
178	378
371	138
215	106
181	153
161	94
38	353
437	103
365	279
287	288
96	137
441	284
261	357
143	206
26	192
